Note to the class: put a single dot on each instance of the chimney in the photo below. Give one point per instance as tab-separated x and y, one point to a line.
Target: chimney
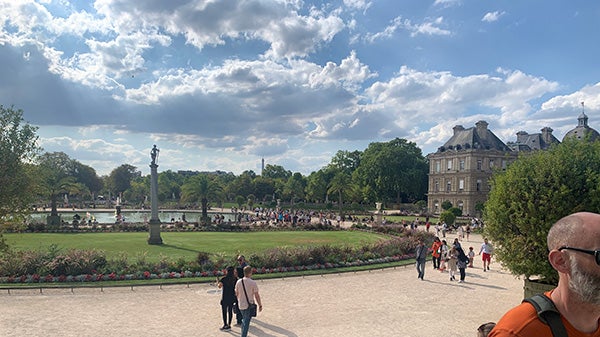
457	129
547	134
522	137
482	129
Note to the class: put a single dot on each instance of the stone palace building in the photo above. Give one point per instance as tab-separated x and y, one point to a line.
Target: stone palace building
460	169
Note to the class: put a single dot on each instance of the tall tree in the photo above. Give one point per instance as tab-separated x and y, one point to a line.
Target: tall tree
294	187
396	171
17	149
346	161
87	176
120	178
532	194
276	172
339	185
316	187
57	171
201	188
263	187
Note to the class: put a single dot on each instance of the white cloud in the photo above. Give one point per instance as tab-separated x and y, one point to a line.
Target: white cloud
447	3
362	5
492	16
426	28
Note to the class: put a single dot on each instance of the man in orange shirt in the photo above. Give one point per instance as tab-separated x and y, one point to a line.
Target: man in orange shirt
574	244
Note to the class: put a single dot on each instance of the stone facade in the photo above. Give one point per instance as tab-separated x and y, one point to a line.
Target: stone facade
459	171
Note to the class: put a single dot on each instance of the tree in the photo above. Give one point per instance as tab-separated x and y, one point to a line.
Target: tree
316	187
169	185
57	171
447	217
87	176
276	172
201	188
120	178
294	187
263	187
339	185
446	205
394	171
345	161
242	184
17	149
532	194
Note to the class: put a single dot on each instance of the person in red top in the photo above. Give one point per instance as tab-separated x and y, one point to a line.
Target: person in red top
574	245
436	253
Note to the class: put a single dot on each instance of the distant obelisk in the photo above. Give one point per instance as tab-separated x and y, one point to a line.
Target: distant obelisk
154	223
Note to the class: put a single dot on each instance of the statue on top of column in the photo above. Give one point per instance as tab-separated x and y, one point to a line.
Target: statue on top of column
154	154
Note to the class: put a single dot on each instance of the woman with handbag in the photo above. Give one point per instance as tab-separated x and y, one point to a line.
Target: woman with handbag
227	284
246	291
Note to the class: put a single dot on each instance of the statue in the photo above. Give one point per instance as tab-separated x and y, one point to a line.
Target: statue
154	154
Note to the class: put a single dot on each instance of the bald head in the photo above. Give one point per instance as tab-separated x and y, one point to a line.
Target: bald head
573	229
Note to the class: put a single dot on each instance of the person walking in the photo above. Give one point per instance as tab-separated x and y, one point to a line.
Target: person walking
461	263
246	291
574	252
487	250
468	231
239	270
421	256
436	252
228	299
444	250
471	255
452	262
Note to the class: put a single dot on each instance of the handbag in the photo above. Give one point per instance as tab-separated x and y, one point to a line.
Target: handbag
251	306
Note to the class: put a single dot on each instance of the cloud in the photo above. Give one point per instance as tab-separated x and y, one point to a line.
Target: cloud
430	27
492	16
447	3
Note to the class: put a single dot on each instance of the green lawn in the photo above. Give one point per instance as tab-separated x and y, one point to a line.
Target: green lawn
186	245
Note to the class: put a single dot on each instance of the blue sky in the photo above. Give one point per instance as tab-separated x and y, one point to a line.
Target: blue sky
220	84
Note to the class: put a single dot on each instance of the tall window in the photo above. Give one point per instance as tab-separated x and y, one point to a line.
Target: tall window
449	164
461	165
448	186
491	163
461	184
504	164
437	166
436	186
478	187
479	164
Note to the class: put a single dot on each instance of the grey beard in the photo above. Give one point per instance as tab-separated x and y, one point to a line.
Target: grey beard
585	284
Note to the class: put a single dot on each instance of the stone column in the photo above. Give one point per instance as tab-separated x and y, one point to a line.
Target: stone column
378	213
154	223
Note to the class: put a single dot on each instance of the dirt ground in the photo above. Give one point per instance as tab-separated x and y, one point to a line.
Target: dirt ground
376	303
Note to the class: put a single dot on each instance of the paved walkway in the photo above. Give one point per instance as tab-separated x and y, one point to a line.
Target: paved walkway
377	303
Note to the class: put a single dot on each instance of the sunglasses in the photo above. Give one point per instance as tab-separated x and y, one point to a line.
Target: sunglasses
595	253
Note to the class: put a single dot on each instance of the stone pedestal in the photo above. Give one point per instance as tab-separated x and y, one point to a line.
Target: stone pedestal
154	223
378	215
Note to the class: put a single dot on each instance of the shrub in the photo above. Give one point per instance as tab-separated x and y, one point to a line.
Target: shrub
532	194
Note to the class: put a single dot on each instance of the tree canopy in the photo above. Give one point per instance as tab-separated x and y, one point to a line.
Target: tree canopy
18	150
532	194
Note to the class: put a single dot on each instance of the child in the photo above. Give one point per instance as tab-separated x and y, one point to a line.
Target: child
471	256
452	262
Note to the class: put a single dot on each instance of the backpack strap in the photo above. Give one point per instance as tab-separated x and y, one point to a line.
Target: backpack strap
548	314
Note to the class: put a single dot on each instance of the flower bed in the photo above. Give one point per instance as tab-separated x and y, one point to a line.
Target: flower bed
146	275
57	266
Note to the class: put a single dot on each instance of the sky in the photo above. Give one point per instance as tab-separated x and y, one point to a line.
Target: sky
221	84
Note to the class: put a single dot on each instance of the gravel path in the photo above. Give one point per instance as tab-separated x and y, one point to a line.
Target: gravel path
377	303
